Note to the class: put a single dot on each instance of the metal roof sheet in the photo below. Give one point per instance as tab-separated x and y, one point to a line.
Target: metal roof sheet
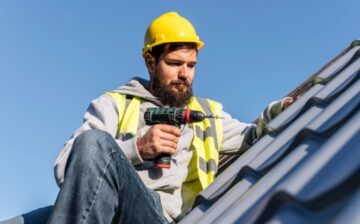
306	168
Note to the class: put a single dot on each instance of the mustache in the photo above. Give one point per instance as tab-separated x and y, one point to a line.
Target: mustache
180	82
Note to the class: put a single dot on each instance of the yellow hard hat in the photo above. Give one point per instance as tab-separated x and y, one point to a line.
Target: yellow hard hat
169	28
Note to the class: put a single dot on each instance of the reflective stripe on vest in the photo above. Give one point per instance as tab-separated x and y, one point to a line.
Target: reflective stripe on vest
205	145
206	142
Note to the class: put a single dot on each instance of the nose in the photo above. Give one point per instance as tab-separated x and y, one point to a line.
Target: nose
184	71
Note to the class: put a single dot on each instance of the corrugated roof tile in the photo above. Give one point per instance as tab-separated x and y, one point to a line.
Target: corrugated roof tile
306	167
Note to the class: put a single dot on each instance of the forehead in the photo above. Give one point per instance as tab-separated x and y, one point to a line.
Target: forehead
183	54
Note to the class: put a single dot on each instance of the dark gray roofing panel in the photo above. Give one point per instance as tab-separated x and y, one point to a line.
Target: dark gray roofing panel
304	184
306	168
341	63
350	213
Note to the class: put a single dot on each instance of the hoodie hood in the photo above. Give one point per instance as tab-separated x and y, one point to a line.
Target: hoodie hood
138	86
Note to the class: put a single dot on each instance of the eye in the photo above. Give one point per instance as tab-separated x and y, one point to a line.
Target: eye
173	63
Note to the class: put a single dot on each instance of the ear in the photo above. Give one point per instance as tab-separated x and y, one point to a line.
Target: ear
150	64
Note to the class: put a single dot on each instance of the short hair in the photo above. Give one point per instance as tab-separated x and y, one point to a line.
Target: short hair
158	50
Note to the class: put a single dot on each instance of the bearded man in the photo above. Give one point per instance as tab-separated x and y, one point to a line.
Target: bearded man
105	170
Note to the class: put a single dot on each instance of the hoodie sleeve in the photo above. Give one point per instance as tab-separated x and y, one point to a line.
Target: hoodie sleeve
101	114
238	136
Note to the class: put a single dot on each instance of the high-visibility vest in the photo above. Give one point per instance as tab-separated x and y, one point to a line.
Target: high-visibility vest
205	145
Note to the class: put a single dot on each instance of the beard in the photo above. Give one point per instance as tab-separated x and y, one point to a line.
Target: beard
175	94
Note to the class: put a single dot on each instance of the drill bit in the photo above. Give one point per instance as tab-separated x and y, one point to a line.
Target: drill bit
214	116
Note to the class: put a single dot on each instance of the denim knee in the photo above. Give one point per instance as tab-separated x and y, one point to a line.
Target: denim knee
93	136
91	146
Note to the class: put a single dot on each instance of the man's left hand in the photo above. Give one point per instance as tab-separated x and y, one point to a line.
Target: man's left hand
286	102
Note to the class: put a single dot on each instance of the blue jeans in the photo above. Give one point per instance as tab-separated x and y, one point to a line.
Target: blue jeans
101	186
38	216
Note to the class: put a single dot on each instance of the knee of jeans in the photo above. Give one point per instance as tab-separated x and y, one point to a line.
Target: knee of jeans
93	144
93	135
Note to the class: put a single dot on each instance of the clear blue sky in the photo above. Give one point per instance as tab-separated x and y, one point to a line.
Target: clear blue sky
56	56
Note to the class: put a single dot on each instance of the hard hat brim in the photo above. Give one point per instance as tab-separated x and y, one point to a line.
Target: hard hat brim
147	48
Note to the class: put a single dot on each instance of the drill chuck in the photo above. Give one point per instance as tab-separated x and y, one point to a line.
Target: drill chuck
195	116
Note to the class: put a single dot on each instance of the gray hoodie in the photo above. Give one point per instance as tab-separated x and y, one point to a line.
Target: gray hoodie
103	114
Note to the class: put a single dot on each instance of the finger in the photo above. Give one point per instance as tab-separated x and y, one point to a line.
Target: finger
166	149
167	143
170	129
169	137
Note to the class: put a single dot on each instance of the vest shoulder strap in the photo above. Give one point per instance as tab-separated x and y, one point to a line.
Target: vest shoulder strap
120	101
128	114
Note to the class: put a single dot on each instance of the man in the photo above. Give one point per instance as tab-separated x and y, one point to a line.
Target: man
105	170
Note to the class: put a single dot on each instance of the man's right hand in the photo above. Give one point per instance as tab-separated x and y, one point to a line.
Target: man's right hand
160	138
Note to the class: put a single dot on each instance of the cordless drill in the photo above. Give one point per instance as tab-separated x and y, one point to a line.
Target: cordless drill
172	116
